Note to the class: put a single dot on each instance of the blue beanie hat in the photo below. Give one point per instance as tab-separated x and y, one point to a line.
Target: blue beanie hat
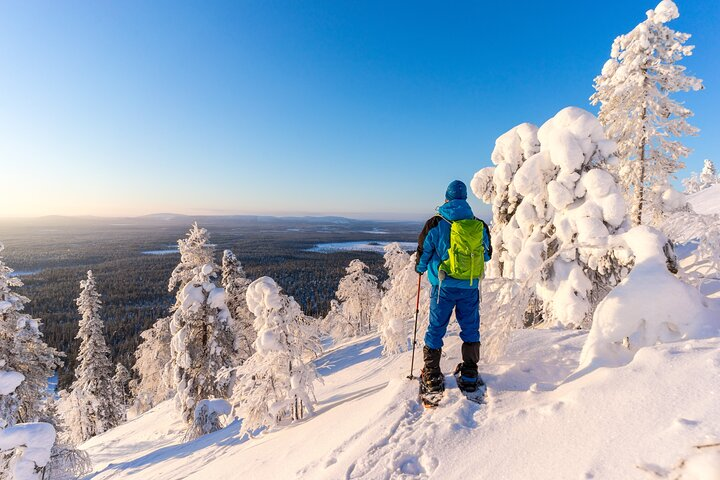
456	191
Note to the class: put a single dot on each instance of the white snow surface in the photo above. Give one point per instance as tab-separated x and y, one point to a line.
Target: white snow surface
535	424
706	201
9	381
34	442
214	405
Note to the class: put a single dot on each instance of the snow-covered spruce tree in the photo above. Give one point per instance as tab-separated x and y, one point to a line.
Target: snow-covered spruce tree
397	305
121	381
556	243
201	327
151	357
358	295
195	253
22	350
708	176
276	382
66	461
493	185
637	111
202	342
236	284
90	408
692	184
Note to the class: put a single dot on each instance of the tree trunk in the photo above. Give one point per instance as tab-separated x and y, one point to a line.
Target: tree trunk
640	187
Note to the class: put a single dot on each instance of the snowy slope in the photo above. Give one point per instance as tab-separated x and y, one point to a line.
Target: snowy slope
628	422
706	201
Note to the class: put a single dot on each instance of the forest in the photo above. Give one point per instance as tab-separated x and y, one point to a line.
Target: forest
51	255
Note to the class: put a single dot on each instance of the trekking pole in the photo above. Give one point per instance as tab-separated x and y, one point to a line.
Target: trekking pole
417	311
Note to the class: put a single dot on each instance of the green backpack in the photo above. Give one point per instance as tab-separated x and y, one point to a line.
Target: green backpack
466	255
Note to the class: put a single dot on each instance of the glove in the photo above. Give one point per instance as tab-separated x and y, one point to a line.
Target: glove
419	269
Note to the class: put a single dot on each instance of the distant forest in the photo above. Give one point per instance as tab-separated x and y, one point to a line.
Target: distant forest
52	256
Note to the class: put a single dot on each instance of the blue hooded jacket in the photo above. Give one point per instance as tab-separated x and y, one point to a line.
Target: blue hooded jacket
434	242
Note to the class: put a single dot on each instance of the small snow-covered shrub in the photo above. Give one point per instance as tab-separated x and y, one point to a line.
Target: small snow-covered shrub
649	306
397	305
206	418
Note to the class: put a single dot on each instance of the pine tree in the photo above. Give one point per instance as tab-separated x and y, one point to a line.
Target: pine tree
201	327
90	407
276	382
236	284
22	350
151	358
359	296
195	253
121	382
397	305
708	176
637	111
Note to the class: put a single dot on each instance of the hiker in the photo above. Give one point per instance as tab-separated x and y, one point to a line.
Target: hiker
452	286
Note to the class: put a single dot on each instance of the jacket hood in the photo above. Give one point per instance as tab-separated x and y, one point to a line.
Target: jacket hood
456	210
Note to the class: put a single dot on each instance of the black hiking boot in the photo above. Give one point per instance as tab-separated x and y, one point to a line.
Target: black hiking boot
468	379
431	376
467	372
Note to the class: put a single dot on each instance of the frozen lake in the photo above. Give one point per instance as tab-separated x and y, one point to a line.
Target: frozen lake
362	246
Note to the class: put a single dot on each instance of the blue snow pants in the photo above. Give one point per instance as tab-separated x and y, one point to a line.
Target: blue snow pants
466	302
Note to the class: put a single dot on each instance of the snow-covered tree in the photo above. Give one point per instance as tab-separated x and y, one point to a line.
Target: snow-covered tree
709	175
202	342
152	356
359	295
692	184
556	241
236	284
276	382
494	186
90	408
206	418
397	305
22	350
67	462
637	111
195	253
121	385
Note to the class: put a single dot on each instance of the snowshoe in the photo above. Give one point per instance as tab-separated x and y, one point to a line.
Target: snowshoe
470	383
432	386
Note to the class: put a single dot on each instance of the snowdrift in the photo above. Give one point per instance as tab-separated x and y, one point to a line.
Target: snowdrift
706	201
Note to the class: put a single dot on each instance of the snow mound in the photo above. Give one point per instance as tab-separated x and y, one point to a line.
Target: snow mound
34	440
648	307
9	381
706	201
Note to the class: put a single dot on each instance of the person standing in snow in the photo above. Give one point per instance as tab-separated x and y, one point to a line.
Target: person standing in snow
450	293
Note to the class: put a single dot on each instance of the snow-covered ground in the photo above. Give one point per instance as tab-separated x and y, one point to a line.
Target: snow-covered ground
706	201
654	416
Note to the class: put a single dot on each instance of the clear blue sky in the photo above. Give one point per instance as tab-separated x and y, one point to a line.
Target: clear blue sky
351	107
